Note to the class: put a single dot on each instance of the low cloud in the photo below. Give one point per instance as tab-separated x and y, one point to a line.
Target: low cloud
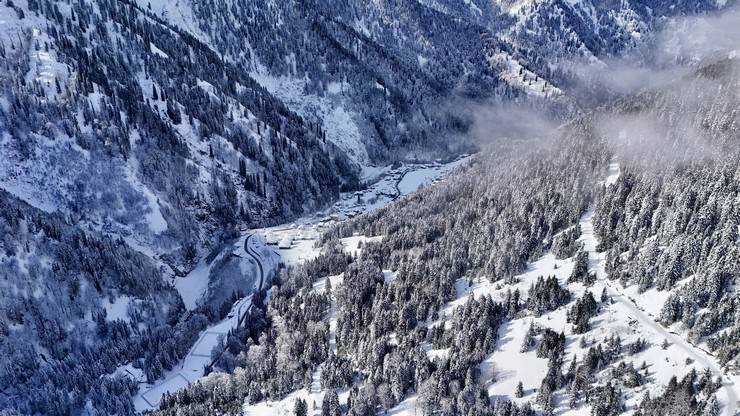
654	142
495	122
689	41
665	62
681	131
671	53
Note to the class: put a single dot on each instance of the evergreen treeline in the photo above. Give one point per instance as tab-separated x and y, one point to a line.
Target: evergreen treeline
490	220
220	151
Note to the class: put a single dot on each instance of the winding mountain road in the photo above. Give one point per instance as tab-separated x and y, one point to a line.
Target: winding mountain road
253	253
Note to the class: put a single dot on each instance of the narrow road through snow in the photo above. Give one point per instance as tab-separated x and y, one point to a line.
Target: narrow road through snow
597	263
253	253
199	356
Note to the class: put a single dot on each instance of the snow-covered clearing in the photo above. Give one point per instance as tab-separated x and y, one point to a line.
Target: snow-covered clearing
155	50
192	366
26	33
414	180
118	309
513	6
285	406
194	284
503	369
37	187
157	222
614	172
178	13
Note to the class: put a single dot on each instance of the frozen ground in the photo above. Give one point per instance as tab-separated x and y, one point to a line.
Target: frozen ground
194	284
192	366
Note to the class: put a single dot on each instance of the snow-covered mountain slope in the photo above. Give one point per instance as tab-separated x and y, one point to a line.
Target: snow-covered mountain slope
173	150
139	139
384	70
593	272
74	305
140	142
234	266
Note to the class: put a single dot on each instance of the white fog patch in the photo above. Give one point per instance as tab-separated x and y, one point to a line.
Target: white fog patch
665	57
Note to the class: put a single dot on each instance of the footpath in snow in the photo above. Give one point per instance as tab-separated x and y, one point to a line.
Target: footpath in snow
679	345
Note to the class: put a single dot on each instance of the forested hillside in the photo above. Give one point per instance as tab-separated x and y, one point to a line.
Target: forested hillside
381	325
418	319
671	221
119	104
171	123
142	140
75	305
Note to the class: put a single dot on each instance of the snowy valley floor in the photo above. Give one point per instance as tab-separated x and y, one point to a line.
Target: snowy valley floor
192	288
